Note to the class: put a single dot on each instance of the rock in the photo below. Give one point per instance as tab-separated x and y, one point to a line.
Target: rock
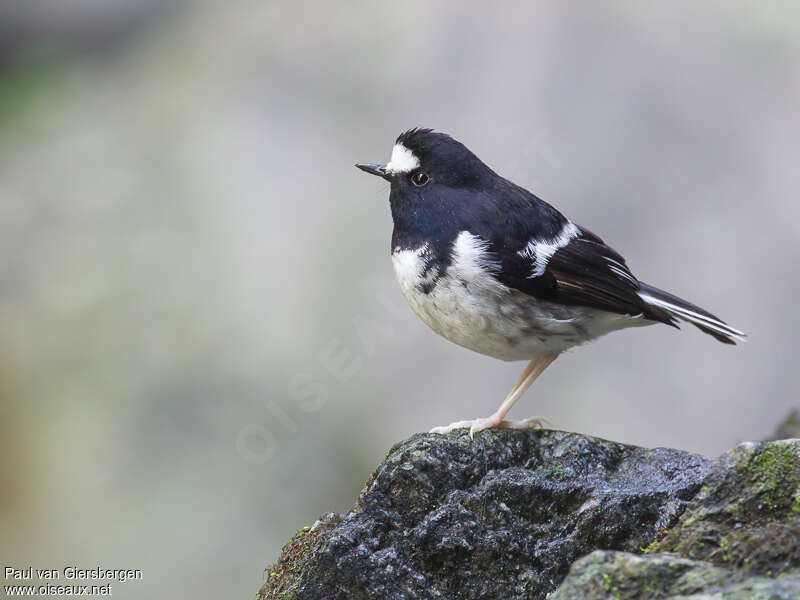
747	514
624	576
503	516
535	514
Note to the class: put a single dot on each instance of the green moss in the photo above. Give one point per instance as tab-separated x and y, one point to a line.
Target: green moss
725	549
774	472
608	582
650	548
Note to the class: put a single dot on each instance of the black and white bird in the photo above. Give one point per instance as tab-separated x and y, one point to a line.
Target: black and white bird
491	267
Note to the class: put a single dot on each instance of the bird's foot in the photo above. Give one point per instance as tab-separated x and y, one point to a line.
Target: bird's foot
452	426
492	422
529	423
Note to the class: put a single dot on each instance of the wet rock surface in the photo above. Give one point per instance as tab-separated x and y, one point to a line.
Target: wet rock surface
501	516
535	514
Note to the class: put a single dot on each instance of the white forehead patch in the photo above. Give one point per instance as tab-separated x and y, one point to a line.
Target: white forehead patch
402	161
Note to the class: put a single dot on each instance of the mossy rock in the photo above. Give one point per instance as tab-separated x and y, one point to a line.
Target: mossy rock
612	575
747	514
283	577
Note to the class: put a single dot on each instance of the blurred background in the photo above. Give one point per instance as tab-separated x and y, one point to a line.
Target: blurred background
202	346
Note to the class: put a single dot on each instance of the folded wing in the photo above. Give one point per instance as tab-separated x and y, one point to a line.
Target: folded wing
577	268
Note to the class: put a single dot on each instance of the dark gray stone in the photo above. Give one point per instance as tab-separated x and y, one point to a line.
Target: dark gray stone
519	514
501	516
739	538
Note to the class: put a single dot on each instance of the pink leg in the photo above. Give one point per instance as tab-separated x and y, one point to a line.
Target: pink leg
497	419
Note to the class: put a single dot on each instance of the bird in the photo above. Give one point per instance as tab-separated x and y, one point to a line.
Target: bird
494	268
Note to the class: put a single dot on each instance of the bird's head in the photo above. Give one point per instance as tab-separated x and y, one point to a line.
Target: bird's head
423	160
438	188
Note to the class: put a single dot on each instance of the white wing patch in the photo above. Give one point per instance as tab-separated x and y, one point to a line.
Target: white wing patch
541	251
403	160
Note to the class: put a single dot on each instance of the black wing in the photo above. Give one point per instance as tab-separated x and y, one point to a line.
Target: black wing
582	271
575	266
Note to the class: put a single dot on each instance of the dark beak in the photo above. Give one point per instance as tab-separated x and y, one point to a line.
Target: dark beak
379	170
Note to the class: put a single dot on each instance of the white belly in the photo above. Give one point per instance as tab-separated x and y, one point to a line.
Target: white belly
469	307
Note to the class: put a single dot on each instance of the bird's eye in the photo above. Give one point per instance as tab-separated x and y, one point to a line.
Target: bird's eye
419	179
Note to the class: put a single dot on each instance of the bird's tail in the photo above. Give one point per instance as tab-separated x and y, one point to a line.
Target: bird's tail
686	311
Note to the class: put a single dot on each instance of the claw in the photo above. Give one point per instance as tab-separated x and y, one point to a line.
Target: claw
479	425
